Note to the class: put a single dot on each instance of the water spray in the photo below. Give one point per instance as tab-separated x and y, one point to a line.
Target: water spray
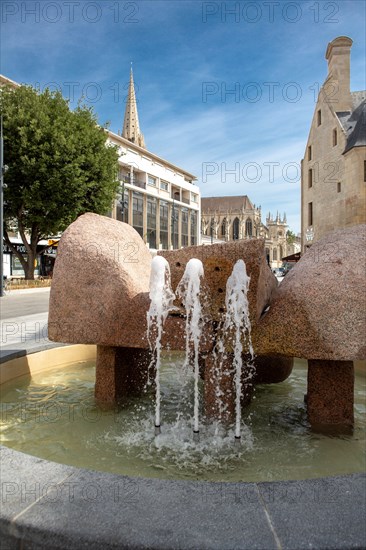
189	292
162	298
237	319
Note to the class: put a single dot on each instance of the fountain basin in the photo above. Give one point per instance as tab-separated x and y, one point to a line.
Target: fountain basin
49	505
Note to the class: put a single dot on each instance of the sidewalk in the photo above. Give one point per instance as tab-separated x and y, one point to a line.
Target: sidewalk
24	319
14	291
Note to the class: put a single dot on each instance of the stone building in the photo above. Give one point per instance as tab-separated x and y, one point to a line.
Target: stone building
234	218
333	171
159	199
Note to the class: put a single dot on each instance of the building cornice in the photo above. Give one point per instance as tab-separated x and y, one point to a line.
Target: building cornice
144	152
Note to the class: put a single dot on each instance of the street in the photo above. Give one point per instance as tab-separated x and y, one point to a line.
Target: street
24	317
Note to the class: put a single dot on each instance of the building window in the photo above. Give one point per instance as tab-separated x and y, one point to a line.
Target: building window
310	178
137	212
268	256
164	218
236	229
223	228
335	137
184	236
275	254
309	152
164	185
175	225
151	181
249	228
151	221
339	187
194	197
193	227
310	214
319	115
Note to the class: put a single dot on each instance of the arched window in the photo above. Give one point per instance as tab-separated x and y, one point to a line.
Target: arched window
249	228
236	229
223	228
267	256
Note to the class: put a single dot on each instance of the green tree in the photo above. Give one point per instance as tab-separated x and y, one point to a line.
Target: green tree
290	237
58	166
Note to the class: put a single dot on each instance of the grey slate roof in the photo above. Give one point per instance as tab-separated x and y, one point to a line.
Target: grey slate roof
357	136
354	123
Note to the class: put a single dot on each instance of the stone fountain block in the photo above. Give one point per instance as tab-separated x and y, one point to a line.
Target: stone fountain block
100	286
218	261
330	396
174	336
272	370
120	373
318	311
219	387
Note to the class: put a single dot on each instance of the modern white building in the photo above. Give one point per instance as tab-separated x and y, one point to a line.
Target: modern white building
160	200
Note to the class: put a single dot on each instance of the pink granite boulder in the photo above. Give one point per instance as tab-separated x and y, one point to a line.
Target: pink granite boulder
218	261
318	311
100	286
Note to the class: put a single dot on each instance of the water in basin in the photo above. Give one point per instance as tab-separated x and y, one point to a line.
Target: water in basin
53	415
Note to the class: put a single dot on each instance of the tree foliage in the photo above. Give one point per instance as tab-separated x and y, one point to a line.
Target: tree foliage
290	237
59	165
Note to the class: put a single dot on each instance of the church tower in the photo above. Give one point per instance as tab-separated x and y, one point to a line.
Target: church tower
131	126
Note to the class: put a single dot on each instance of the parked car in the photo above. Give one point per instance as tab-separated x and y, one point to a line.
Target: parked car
279	272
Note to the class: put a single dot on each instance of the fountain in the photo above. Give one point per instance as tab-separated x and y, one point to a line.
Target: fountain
101	295
237	317
189	290
161	297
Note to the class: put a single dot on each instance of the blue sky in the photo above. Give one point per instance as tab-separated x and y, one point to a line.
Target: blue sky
226	90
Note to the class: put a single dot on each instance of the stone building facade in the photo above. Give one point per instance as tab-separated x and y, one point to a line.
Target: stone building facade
333	174
234	218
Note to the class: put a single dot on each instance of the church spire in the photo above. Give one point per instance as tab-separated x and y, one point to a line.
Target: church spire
131	127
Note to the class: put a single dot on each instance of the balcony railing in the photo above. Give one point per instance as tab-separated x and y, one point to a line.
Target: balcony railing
139	183
135	181
186	201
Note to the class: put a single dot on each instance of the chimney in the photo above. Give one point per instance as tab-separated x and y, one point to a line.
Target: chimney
338	56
